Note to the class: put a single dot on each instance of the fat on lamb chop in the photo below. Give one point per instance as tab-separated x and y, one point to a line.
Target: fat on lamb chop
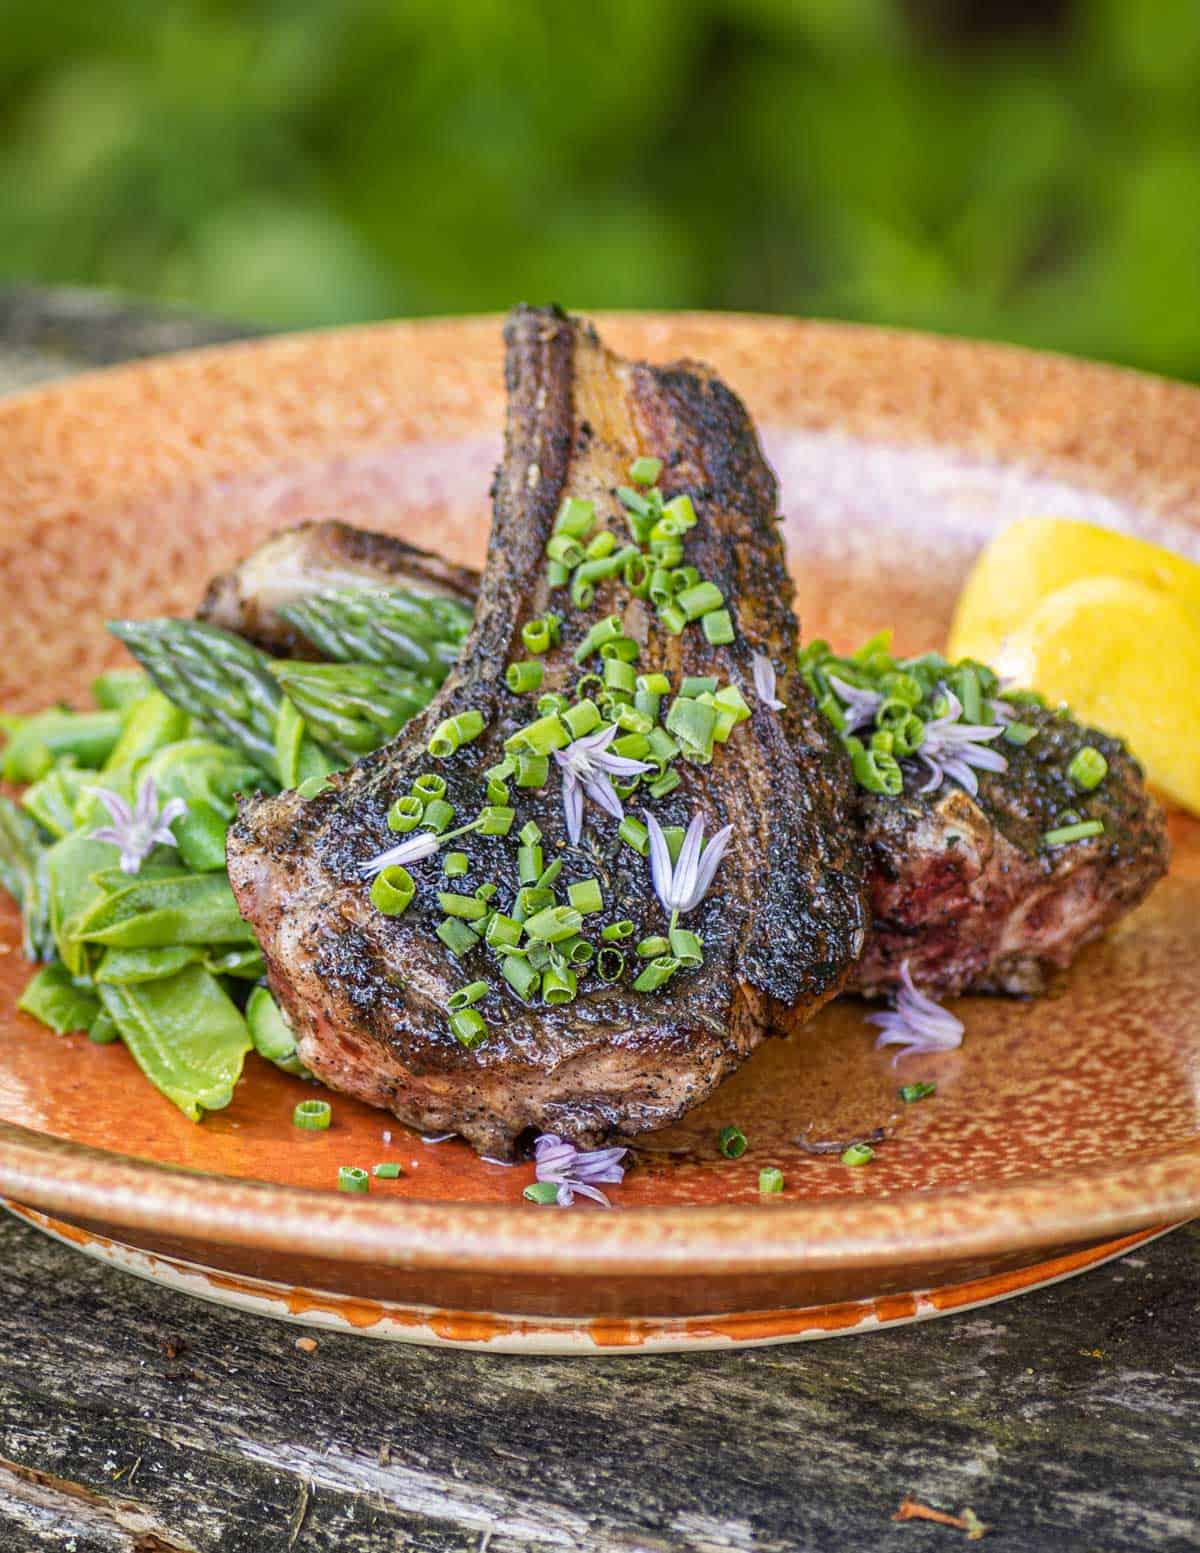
778	906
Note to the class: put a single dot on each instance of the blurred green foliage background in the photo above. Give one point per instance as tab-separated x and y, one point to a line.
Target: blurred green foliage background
1026	170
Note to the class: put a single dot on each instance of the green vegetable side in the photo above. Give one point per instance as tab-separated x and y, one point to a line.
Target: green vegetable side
115	850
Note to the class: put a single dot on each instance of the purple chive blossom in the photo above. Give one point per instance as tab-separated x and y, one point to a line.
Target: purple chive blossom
951	748
859	705
415	850
682	887
764	682
916	1023
139	830
587	767
571	1171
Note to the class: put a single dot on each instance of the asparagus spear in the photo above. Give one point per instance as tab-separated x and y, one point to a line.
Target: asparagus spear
239	695
421	632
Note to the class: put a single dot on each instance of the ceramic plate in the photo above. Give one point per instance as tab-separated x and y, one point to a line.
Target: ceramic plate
1060	1130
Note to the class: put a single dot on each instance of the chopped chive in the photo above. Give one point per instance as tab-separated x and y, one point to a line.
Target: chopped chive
524	676
405	814
388	1171
429	785
575	517
680	508
554	924
437	816
467	995
618	930
452	733
659	587
456	936
732	1142
540	736
604	630
564	549
541	1192
610	963
351	1179
577	951
667	551
634	501
693	724
648	948
634	834
530	833
531	900
672	619
495	820
1088	768
582	718
697	684
455	865
541	634
1078	832
558	985
468	1027
312	1115
583	591
655	974
858	1154
1019	733
533	770
497	792
485	892
770	1180
667	783
392	890
686	948
718	626
521	976
549	874
601	545
529	864
586	896
557	575
699	600
465	906
656	684
637	575
503	931
645	470
910	1093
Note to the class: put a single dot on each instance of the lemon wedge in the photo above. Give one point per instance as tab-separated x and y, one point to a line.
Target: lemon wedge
1034	557
1125	657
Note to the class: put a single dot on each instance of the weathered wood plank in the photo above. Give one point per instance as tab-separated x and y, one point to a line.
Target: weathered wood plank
1070	1418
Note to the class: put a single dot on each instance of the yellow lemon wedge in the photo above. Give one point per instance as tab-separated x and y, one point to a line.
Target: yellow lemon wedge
1125	657
1034	557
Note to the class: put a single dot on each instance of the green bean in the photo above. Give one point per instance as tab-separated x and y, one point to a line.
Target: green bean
35	743
272	1035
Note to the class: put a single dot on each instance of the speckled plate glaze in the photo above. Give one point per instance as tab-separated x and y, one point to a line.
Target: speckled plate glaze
1060	1130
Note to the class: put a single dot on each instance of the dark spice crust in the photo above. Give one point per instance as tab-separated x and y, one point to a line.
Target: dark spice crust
367	993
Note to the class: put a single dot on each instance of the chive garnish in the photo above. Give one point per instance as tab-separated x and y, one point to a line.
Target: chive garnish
351	1179
468	1028
910	1093
455	865
542	1192
452	733
388	1171
770	1180
467	995
732	1142
1078	832
524	676
406	813
586	896
858	1154
392	890
1088	768
312	1115
438	814
617	930
645	470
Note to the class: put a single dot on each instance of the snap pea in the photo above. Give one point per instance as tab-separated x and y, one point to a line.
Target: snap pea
150	723
54	799
185	1034
58	1000
153	913
127	967
23	875
35	743
73	893
271	1033
120	688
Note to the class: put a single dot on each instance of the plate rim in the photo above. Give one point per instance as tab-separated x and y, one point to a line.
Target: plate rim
851	1231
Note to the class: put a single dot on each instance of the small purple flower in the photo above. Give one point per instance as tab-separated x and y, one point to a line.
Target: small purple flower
860	705
950	748
682	887
587	767
764	682
571	1171
916	1023
415	850
139	830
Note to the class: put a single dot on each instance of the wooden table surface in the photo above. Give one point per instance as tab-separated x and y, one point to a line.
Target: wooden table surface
133	1420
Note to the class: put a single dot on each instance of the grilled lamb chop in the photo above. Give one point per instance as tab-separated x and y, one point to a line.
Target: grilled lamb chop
311	558
967	892
367	993
961	887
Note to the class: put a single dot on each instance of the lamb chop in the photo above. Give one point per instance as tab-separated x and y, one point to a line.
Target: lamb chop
961	885
417	1012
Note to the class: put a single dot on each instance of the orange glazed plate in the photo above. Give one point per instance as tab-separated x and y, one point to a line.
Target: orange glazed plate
1062	1132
